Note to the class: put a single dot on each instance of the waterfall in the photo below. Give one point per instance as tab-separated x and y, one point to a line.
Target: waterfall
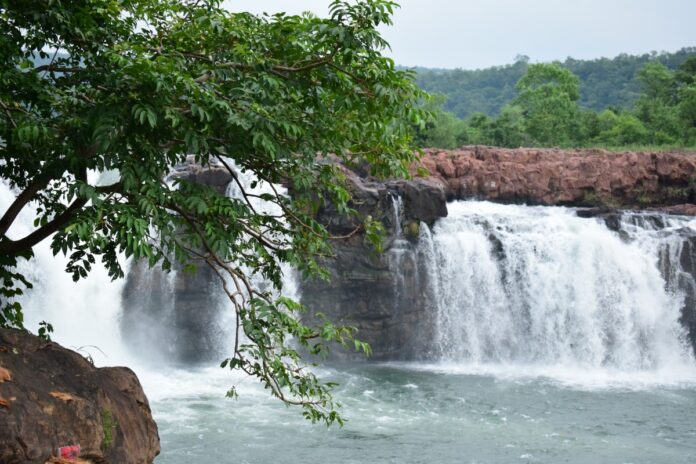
540	285
399	250
85	314
500	285
187	317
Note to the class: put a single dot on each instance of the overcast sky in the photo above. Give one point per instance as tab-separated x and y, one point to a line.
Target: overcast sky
474	34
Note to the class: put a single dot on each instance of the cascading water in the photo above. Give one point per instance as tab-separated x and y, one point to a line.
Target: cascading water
541	286
186	317
84	314
399	249
508	286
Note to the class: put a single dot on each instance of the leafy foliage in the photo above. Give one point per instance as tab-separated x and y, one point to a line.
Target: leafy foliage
136	86
548	95
545	112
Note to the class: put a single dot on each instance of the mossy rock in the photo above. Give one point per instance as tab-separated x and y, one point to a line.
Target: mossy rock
109	425
412	230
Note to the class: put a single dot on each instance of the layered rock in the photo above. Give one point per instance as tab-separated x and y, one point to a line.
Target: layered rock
565	177
51	397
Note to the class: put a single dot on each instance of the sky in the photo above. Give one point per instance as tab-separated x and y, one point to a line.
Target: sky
472	34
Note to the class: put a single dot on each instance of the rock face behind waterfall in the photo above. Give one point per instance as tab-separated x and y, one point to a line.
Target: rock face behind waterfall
177	314
362	290
51	397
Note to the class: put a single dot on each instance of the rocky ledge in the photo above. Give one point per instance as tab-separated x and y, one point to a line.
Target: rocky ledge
565	177
384	295
392	314
52	398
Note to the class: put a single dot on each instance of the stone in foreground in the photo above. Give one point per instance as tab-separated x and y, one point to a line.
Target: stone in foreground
53	398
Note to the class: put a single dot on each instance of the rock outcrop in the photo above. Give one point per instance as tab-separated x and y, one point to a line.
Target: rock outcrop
566	177
361	291
51	397
176	315
385	296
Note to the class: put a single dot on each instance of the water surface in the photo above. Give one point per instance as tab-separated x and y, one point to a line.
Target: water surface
410	413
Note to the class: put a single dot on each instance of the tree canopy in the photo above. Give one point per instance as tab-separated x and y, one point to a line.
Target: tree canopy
604	82
548	95
136	86
545	111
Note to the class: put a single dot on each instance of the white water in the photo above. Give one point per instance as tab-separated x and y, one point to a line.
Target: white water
566	298
540	292
399	250
84	314
559	344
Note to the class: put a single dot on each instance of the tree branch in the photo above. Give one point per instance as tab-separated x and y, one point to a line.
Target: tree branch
20	202
9	115
275	69
14	247
54	68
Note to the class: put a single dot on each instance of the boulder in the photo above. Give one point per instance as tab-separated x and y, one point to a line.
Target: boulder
52	397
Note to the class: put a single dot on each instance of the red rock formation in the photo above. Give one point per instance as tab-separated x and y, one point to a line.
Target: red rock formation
52	397
565	177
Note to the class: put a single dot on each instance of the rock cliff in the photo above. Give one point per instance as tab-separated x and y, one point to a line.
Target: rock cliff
176	315
362	290
385	296
51	397
565	177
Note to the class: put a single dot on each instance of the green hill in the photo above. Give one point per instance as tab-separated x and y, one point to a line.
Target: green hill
604	82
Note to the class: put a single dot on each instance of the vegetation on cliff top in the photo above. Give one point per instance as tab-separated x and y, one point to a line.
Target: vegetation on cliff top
604	82
135	86
546	111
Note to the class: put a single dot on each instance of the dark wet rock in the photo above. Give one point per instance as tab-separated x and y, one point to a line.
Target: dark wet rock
594	212
382	295
686	281
176	315
424	200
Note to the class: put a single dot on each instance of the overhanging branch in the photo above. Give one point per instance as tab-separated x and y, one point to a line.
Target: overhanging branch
14	247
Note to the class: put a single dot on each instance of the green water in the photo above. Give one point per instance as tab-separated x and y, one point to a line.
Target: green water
430	414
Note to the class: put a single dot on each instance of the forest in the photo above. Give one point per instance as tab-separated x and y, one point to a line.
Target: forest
647	100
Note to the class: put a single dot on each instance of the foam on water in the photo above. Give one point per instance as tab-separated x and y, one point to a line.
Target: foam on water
564	376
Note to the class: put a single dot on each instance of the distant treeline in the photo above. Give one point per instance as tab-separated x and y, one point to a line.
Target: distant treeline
604	82
653	105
